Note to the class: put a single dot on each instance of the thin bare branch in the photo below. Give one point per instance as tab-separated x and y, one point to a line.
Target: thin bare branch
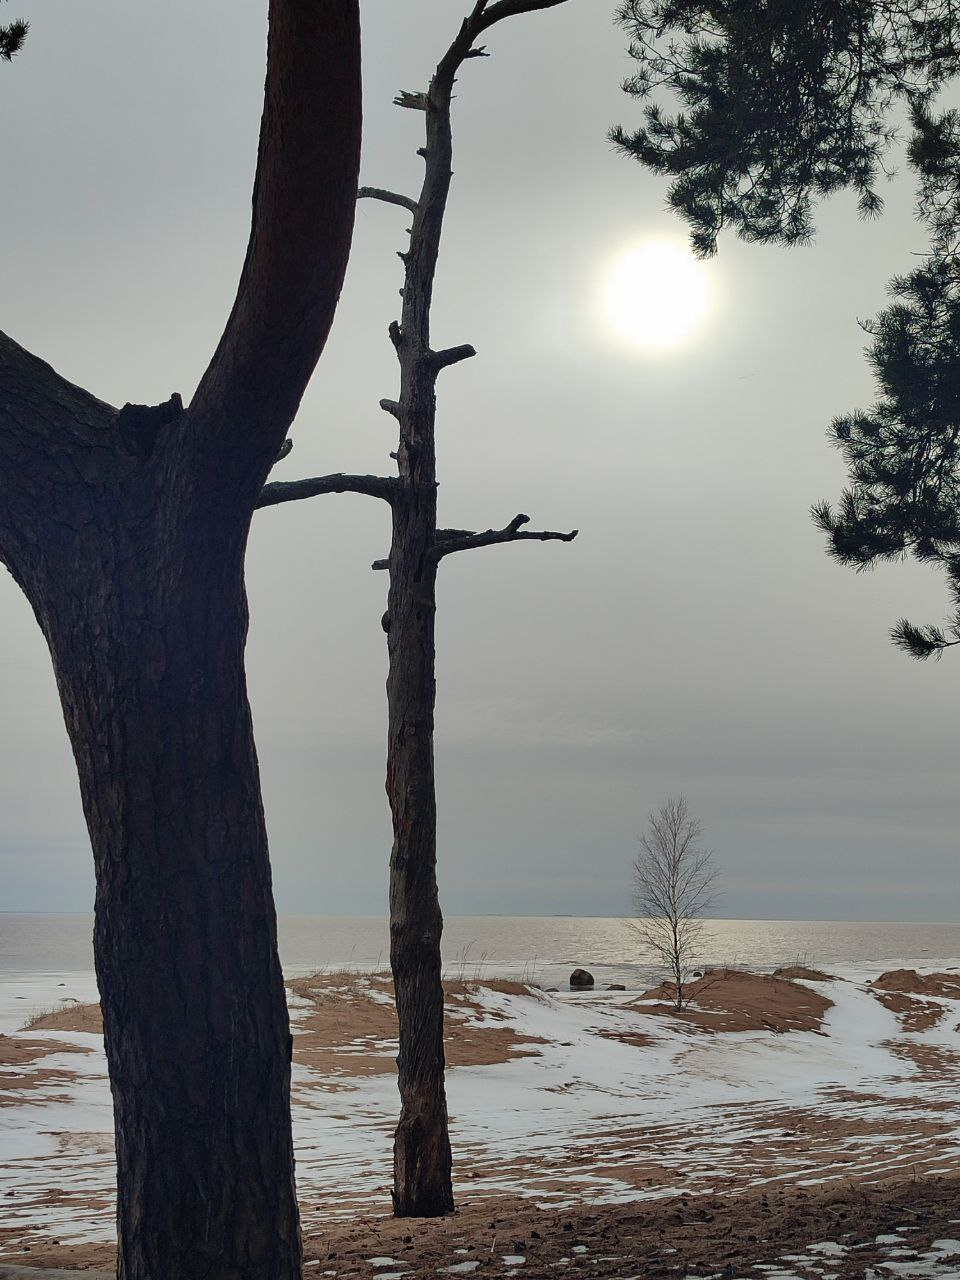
510	9
462	540
293	490
387	197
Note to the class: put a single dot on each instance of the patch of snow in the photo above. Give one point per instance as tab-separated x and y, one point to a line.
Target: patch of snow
380	997
24	994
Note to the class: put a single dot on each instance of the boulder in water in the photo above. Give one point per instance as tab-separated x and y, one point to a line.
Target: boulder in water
580	979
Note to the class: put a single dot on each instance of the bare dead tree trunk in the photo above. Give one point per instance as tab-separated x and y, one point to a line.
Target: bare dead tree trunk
126	531
422	1159
422	1185
422	1177
422	1171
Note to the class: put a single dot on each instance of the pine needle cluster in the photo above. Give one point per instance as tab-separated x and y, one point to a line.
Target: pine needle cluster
12	37
903	455
779	103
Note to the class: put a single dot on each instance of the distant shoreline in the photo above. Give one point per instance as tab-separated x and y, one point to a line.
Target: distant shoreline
450	916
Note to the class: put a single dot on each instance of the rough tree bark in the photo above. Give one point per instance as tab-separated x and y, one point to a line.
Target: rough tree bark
422	1158
126	530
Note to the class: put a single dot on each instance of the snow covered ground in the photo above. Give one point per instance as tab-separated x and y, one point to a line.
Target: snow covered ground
602	1100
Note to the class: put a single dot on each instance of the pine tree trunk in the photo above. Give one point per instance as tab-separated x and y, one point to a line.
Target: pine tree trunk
147	632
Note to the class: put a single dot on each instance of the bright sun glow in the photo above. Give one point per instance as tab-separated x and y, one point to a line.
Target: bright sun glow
656	295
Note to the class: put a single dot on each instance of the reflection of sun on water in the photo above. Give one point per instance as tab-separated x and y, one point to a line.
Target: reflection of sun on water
656	295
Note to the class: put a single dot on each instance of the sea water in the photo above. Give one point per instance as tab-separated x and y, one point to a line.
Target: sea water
540	949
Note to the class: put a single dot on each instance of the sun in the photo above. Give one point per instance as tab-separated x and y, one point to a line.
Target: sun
656	295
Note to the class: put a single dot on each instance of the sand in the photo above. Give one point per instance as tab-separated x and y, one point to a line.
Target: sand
347	1025
804	973
910	981
731	1000
746	1236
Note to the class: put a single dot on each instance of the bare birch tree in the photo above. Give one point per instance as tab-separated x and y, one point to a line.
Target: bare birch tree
674	886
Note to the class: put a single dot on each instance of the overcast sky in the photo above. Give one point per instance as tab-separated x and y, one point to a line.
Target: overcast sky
695	637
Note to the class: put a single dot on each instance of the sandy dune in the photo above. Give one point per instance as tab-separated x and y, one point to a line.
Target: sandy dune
731	1000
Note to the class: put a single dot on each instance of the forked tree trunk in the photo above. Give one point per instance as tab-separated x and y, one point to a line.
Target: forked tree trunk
126	531
136	579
